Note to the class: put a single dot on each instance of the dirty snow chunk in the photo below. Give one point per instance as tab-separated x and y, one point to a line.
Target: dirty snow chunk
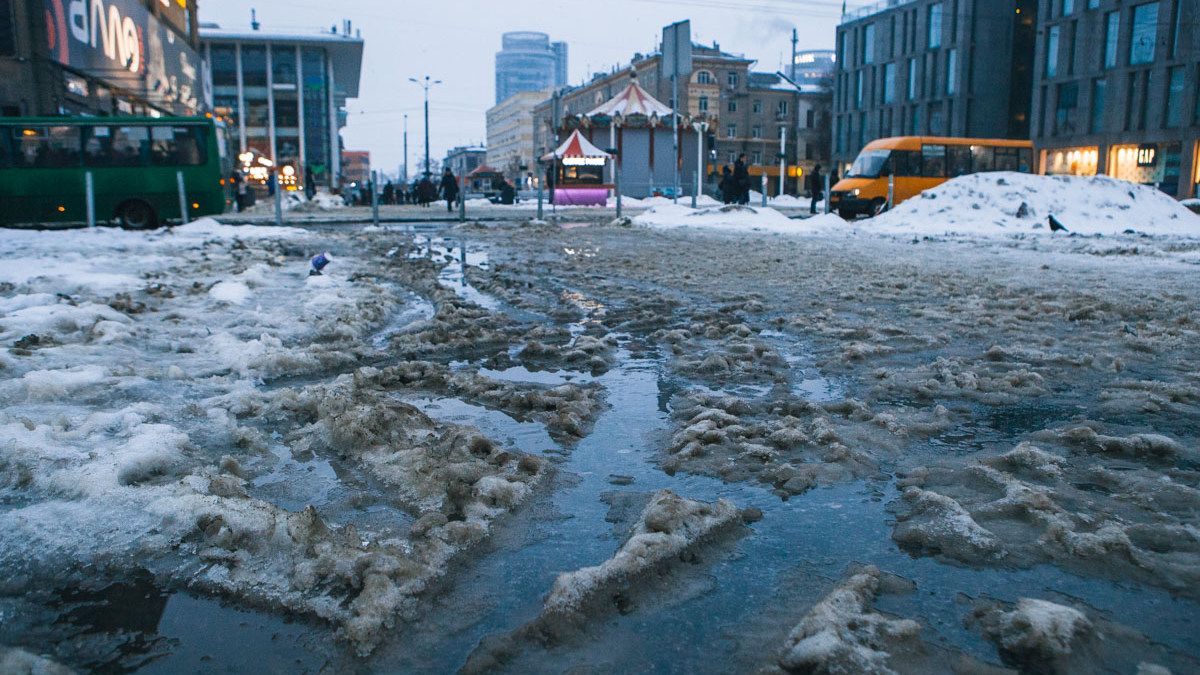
1039	628
50	384
733	218
58	319
16	661
940	524
232	292
842	634
669	525
988	204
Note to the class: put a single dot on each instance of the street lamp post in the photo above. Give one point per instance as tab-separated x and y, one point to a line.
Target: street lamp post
426	84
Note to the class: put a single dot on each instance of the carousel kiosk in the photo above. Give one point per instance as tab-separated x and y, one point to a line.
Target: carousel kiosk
576	173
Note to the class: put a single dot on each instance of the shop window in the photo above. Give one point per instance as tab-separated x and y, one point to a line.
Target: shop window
46	147
1145	27
933	161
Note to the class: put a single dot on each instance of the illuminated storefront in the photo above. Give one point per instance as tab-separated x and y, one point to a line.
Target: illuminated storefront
1155	164
101	57
1081	161
285	97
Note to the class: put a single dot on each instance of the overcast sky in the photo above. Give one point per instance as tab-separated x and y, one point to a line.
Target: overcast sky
456	40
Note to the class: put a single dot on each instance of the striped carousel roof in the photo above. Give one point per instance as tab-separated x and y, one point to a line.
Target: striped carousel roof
633	100
576	146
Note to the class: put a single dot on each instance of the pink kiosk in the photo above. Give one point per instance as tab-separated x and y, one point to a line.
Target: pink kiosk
577	172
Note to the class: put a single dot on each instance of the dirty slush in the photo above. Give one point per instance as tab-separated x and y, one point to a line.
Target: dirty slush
531	448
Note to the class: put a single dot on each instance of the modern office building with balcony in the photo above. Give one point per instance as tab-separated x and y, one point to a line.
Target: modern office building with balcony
1117	91
528	61
284	95
933	68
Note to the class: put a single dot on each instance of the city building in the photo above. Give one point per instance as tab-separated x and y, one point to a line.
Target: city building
744	110
933	68
284	95
464	159
510	147
1116	91
356	167
814	67
528	61
117	57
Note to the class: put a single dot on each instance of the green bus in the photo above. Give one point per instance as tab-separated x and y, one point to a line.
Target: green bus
134	163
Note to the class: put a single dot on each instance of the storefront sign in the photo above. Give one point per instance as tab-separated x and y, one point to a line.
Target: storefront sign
120	43
584	161
1147	155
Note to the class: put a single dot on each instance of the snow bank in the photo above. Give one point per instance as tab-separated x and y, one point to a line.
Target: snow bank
735	218
1006	203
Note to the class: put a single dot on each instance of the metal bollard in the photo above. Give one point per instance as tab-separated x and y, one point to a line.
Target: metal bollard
183	204
891	192
827	194
374	200
278	204
89	188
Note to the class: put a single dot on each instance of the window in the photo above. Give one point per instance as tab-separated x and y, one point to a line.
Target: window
8	39
731	157
732	107
868	44
1176	19
756	157
756	107
959	157
1175	104
937	120
952	71
934	26
1112	36
810	119
176	146
933	161
781	107
915	119
731	79
1065	108
858	89
1052	51
1099	96
1141	43
704	77
1067	6
932	70
983	158
1093	4
46	147
756	131
912	79
254	66
731	131
283	68
1012	159
703	104
889	83
224	66
906	162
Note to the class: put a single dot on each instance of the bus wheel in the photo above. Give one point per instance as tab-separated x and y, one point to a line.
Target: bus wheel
136	214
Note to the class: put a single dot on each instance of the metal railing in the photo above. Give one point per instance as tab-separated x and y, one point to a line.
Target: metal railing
862	12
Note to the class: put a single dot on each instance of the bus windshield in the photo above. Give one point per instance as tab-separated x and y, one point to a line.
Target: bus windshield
869	164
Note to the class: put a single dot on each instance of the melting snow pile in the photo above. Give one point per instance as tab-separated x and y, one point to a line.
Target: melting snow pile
734	218
1007	203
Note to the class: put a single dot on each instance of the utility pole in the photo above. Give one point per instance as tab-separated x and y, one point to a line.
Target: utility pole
405	148
795	41
426	84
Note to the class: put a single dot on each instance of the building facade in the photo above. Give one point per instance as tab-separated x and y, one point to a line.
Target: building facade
106	57
464	159
528	61
284	96
935	68
510	134
356	167
744	110
1116	91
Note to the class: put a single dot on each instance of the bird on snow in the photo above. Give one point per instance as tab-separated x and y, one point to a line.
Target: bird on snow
1056	226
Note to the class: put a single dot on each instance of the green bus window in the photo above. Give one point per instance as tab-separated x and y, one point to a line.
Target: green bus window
983	158
129	146
97	144
47	147
933	161
960	160
177	146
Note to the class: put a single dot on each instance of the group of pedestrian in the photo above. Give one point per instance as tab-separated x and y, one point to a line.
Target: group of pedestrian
735	184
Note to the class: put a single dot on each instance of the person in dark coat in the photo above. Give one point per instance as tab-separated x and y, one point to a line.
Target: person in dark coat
741	179
726	185
389	193
426	191
508	194
449	188
310	185
816	188
239	190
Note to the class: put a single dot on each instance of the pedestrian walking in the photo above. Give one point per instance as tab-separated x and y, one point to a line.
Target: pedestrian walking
449	189
741	179
239	190
816	188
426	191
726	185
389	193
310	185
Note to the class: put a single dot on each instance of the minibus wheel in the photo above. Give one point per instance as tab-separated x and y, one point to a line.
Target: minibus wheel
136	214
878	206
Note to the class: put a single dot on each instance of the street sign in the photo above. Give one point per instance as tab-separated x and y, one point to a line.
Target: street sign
677	49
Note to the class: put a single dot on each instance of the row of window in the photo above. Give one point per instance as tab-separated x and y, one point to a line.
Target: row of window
933	119
904	41
117	145
1143	38
940	161
922	80
1140	88
705	77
